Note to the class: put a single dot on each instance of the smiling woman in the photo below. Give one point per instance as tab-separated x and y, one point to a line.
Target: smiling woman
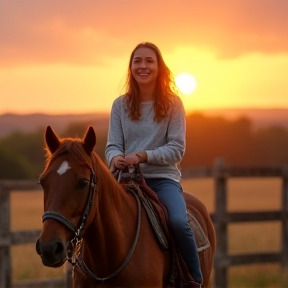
186	83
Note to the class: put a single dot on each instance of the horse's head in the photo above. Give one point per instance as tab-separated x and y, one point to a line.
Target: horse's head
69	184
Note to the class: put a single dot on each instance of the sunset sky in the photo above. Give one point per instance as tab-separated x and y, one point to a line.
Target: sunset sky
72	56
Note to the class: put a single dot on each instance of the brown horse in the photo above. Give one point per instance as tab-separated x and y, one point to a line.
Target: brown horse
91	221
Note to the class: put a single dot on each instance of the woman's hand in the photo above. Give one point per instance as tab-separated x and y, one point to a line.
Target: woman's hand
136	158
118	162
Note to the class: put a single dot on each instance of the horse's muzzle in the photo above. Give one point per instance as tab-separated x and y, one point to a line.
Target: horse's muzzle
52	253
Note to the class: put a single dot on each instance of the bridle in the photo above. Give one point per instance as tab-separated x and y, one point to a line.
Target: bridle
75	244
66	222
73	254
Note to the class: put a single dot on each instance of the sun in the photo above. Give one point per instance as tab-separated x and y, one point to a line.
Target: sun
186	83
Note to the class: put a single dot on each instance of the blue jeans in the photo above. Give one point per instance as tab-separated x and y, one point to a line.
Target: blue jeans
170	194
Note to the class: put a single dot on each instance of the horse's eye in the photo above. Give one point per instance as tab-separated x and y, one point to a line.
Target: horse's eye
82	183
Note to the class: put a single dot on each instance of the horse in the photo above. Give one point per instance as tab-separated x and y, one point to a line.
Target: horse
91	221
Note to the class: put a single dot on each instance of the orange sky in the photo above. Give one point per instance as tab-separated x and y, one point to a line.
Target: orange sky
71	56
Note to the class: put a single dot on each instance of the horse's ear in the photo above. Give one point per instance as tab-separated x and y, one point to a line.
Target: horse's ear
89	140
51	139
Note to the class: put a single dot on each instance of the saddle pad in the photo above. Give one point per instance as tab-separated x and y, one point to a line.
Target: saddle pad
152	215
202	241
158	221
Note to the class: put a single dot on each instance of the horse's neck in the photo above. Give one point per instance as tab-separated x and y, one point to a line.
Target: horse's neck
114	227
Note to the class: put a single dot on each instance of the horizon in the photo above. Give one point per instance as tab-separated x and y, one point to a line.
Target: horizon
27	113
69	58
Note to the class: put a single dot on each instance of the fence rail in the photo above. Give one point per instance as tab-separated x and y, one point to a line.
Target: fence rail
221	218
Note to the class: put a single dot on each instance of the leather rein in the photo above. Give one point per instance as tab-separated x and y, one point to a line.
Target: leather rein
73	255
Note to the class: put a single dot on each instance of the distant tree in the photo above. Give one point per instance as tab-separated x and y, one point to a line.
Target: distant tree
271	145
14	167
26	149
212	137
234	140
22	155
76	129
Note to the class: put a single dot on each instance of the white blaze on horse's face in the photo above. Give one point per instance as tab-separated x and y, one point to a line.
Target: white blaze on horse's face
64	167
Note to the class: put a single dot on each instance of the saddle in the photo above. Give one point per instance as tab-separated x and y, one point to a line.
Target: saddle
133	181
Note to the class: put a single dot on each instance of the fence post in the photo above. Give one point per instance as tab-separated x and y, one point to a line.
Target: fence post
5	264
221	277
285	220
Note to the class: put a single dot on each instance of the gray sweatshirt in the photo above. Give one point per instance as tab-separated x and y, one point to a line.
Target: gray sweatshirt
163	142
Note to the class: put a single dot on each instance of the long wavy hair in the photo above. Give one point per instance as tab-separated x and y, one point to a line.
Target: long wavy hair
165	87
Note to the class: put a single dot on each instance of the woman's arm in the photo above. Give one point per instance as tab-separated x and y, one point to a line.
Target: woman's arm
115	140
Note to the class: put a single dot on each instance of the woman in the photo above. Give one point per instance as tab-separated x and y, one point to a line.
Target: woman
147	127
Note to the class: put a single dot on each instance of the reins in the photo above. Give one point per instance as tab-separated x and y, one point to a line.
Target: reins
88	272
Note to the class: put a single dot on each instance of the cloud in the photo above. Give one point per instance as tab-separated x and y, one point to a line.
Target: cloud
91	32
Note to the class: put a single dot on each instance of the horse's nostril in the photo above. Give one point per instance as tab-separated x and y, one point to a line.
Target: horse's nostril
59	248
50	250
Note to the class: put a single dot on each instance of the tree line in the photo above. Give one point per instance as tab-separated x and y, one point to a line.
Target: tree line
22	154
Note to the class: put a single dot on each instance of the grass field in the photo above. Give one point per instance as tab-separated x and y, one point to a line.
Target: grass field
243	195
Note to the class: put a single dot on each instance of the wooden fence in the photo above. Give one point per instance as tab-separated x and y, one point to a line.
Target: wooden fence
221	218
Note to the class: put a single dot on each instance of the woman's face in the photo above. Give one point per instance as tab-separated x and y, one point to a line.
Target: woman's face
144	66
